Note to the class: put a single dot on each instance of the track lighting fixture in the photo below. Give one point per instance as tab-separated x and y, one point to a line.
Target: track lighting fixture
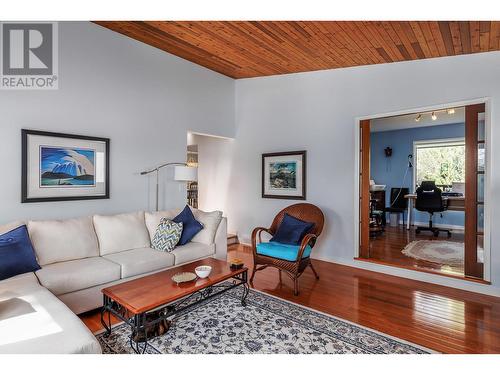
433	114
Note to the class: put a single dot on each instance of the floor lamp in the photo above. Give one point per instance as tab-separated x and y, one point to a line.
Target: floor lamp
182	172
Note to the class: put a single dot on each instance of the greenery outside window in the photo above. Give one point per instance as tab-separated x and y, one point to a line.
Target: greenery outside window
442	161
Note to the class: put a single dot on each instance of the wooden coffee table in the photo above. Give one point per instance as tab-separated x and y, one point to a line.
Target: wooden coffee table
131	301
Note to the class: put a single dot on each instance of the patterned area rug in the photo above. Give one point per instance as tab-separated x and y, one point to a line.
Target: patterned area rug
442	252
266	325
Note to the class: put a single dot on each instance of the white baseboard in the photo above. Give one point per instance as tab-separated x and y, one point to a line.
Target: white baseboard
245	243
443	226
245	239
459	228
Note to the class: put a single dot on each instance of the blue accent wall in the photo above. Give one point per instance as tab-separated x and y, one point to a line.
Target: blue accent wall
390	171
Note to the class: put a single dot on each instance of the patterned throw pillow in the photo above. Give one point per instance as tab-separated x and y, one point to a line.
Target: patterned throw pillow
167	235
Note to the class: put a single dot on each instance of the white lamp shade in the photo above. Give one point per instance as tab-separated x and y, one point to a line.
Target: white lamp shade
185	173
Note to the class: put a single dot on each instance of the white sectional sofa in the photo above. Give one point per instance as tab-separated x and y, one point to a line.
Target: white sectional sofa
78	258
33	320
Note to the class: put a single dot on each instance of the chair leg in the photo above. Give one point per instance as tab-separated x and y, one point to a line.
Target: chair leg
253	273
280	276
296	286
314	271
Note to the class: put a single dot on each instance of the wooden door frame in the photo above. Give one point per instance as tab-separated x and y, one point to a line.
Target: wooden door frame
487	193
364	183
472	267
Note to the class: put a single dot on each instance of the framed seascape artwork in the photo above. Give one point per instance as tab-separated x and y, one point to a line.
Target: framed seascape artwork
284	175
63	167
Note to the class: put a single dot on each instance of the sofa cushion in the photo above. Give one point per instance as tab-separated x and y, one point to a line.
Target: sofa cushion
291	230
153	219
121	232
79	274
35	321
9	226
167	235
190	226
139	261
16	253
210	221
20	283
282	251
62	240
192	251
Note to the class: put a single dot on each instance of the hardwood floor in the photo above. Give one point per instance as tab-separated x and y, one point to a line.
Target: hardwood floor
93	322
440	318
388	246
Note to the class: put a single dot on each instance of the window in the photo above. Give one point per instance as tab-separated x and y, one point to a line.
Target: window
442	161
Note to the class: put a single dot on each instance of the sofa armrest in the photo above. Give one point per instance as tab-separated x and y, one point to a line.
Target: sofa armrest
221	240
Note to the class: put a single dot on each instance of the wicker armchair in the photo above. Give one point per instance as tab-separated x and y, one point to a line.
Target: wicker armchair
303	211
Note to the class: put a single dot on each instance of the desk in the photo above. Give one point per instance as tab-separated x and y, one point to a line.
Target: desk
452	204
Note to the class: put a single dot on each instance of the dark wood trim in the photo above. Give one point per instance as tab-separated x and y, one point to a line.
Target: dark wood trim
24	166
302	153
472	267
364	184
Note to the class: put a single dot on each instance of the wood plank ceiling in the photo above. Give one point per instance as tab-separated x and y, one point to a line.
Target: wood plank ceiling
244	49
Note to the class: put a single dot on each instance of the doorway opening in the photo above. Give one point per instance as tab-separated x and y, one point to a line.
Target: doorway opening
192	186
422	191
212	155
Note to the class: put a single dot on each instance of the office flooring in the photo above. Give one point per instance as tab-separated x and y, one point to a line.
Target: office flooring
387	247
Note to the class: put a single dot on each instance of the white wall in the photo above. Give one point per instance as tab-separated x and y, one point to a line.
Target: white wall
316	111
146	100
214	171
142	98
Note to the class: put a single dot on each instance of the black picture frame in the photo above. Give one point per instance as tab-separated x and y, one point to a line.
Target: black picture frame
25	133
303	156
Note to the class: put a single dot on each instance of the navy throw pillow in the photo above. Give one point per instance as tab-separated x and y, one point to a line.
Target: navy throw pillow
190	226
16	253
291	231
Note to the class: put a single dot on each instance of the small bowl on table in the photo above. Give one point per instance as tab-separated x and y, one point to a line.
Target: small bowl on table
203	271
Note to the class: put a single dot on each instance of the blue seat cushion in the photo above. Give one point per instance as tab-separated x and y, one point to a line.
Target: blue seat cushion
291	230
16	253
282	250
190	226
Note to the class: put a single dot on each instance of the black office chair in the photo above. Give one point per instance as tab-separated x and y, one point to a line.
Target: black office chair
398	202
429	199
376	219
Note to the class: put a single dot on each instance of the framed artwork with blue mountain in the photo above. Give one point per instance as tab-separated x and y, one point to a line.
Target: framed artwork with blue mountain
62	167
